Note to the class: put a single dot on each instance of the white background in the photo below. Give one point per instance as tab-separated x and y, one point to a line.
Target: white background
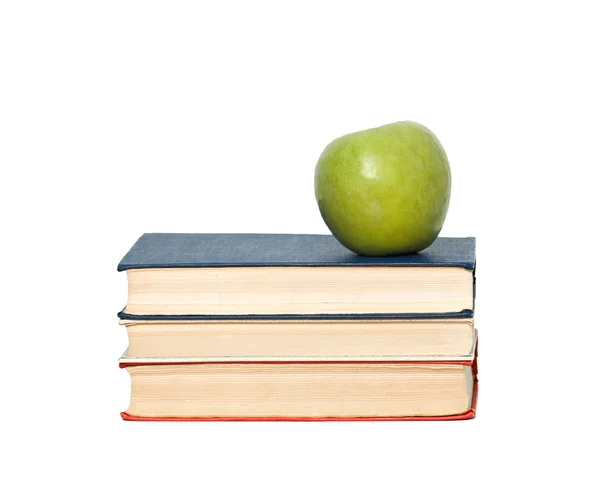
119	118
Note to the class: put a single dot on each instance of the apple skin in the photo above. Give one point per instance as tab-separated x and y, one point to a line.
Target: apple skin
385	190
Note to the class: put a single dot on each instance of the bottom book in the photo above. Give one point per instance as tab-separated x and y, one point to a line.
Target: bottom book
302	391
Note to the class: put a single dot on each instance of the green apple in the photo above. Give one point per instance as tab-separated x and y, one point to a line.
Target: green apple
385	190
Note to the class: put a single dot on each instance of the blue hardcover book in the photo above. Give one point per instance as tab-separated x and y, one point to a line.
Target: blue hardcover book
279	276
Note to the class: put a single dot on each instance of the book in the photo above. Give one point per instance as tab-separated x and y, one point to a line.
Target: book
309	277
304	391
300	340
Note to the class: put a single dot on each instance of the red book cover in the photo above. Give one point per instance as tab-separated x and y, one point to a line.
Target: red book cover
469	414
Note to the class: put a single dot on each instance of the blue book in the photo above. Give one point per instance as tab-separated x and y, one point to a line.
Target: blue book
285	276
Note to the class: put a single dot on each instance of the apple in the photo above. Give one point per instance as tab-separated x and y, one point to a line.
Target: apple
385	190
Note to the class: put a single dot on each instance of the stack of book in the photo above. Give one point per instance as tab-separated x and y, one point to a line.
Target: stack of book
296	327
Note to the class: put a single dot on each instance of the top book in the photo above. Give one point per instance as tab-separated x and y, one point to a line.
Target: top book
275	276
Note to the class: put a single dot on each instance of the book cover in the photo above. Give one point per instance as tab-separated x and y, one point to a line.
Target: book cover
185	250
